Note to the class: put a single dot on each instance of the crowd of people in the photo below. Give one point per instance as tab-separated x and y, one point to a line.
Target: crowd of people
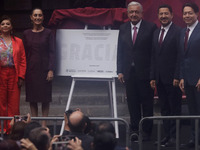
78	135
148	58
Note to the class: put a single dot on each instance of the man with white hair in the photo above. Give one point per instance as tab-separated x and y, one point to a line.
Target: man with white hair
133	67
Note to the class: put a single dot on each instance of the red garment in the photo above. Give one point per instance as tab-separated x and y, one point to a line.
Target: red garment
10	93
9	90
78	18
19	58
114	17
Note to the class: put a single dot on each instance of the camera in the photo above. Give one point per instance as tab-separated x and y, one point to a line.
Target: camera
66	137
20	118
62	143
69	111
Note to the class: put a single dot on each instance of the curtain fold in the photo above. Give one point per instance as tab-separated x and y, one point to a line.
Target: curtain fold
113	17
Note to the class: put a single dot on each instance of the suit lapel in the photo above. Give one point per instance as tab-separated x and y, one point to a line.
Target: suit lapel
13	46
192	36
129	35
167	36
140	33
157	32
156	38
182	39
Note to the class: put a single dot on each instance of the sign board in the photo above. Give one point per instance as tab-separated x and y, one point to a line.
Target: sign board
86	53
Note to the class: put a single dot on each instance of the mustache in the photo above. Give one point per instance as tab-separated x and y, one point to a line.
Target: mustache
164	18
134	17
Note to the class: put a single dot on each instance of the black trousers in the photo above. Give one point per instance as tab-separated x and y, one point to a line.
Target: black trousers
140	101
170	103
193	100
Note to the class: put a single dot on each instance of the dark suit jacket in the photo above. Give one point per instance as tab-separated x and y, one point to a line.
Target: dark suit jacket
164	63
190	62
139	53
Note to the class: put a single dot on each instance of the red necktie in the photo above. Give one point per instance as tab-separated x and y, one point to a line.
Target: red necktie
134	34
186	38
161	36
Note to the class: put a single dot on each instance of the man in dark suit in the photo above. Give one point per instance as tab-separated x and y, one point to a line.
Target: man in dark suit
165	71
133	66
190	61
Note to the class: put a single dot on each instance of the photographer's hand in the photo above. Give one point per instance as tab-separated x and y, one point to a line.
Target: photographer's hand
75	144
28	144
12	122
28	118
54	139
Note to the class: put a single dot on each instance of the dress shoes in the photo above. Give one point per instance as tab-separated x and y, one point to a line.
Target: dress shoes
163	141
171	143
134	137
190	144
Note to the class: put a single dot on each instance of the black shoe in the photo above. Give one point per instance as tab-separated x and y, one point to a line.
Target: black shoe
163	141
171	143
134	137
190	144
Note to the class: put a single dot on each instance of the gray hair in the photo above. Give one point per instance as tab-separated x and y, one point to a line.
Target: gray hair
135	3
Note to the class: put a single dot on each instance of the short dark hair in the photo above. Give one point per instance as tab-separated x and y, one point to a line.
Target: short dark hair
88	127
105	127
104	141
5	17
17	130
30	126
39	138
165	6
9	144
194	6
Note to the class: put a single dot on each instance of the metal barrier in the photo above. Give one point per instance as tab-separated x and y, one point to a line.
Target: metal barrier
55	119
177	118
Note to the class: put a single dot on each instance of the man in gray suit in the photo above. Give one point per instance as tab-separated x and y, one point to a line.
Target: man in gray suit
133	66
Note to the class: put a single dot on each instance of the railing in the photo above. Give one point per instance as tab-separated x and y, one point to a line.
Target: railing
177	118
55	119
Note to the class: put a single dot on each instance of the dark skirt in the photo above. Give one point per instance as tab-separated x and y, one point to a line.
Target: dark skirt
38	89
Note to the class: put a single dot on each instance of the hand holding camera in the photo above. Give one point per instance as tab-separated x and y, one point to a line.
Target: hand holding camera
20	118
